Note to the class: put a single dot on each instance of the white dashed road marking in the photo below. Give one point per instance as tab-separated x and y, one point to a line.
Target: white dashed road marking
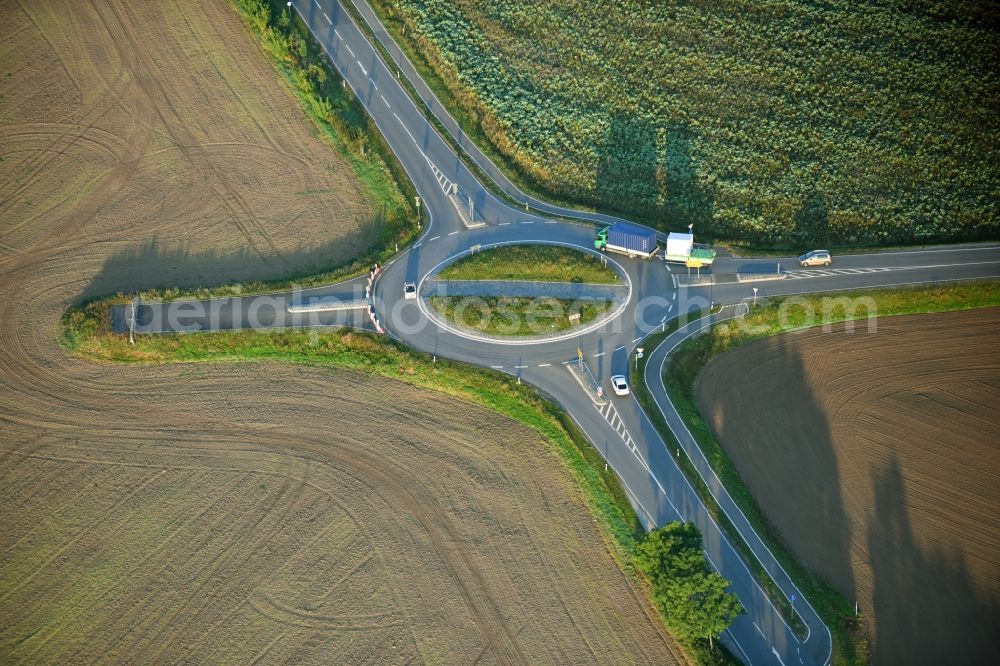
827	272
610	415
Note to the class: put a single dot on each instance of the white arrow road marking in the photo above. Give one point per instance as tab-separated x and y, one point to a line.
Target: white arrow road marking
777	656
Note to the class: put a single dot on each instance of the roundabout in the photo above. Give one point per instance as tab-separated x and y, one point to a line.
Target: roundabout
465	217
535	311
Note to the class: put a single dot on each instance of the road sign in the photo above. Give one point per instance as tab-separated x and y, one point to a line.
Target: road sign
694	263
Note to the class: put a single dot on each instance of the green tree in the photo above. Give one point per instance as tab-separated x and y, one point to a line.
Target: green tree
694	599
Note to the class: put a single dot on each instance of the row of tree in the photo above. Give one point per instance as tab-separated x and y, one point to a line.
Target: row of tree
692	597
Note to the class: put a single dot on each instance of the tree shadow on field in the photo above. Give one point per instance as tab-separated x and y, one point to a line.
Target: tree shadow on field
156	264
636	173
927	608
760	403
812	221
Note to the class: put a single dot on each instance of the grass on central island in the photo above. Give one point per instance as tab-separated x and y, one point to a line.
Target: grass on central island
517	316
540	263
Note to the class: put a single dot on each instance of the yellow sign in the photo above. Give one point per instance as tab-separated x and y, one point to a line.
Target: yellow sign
694	263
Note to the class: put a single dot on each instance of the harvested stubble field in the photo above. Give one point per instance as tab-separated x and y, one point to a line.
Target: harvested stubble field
277	512
223	512
877	456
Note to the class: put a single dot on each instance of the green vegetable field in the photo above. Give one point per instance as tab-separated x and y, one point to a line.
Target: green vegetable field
777	122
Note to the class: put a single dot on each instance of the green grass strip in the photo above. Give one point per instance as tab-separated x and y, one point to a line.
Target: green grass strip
516	316
538	263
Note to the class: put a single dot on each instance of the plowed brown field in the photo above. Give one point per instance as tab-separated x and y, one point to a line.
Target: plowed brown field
877	456
233	513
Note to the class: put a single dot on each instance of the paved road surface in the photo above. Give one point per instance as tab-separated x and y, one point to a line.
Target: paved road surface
618	428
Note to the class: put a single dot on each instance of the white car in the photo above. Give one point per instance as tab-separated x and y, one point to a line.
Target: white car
619	384
816	258
409	291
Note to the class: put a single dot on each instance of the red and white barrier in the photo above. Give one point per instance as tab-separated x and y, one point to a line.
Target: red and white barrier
374	320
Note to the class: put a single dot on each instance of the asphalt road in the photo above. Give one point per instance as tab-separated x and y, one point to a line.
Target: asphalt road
618	428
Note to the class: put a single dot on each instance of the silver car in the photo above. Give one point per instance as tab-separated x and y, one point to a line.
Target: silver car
816	258
409	291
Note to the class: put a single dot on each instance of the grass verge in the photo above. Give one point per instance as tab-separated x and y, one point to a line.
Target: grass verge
516	316
541	263
850	642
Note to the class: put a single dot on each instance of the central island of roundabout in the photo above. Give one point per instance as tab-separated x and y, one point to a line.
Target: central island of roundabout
524	291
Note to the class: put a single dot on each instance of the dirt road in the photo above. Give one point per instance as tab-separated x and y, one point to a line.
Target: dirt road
241	513
877	456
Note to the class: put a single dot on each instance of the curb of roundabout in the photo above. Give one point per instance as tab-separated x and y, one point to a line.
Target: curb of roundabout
443	324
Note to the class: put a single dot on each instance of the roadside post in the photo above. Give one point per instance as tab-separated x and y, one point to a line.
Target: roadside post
131	320
638	355
755	296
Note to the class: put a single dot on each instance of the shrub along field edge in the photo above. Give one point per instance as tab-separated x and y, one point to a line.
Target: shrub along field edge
682	369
